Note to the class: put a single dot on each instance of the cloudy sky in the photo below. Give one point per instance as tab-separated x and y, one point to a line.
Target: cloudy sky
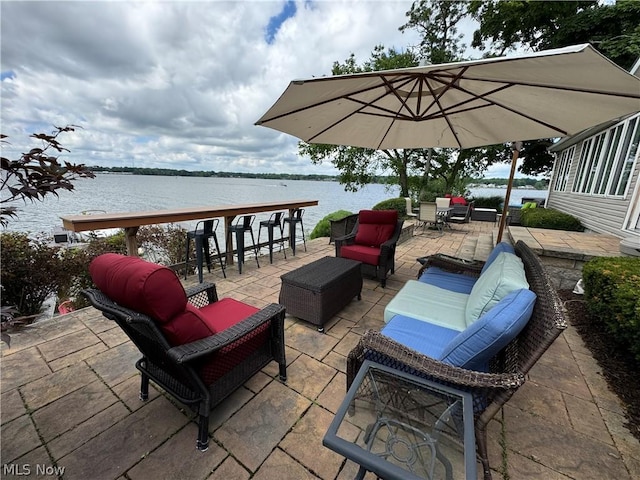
177	84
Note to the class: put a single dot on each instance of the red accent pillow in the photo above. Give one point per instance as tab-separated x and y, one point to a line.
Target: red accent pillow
373	235
458	201
194	323
145	287
187	327
375	226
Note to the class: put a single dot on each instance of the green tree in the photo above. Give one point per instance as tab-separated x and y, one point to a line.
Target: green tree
437	22
507	25
613	29
360	166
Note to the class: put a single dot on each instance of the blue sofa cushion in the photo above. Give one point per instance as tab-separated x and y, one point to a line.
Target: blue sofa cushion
483	339
454	282
497	250
505	274
426	338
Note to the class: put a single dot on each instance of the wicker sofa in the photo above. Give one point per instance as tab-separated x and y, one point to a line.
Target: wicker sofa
493	368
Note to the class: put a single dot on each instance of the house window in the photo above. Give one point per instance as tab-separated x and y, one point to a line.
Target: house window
607	159
629	150
564	164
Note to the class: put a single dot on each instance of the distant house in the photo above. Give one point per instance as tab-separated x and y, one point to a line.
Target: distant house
596	178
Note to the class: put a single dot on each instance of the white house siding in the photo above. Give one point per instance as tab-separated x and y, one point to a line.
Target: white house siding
599	213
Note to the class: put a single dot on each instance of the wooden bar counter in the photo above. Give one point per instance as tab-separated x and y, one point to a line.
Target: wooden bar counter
131	221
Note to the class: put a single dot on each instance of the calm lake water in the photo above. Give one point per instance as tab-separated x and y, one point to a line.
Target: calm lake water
129	193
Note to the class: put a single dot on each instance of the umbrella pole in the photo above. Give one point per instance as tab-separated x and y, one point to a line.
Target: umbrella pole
516	146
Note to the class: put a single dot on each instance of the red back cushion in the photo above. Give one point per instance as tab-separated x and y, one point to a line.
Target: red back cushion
144	287
375	226
458	201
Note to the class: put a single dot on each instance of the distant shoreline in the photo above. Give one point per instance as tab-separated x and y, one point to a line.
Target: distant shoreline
496	183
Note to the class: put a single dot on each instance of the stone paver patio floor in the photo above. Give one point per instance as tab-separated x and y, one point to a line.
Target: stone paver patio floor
70	404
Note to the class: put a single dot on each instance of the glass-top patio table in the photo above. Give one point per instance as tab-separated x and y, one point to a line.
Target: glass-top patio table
402	427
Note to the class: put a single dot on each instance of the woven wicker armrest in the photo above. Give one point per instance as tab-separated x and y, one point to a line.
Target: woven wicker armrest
111	309
205	346
452	264
346	239
421	365
386	248
201	294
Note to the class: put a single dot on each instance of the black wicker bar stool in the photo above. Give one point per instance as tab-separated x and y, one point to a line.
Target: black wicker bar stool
293	220
275	220
205	230
240	228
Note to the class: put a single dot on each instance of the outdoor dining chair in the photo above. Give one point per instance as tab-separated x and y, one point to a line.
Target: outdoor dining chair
428	216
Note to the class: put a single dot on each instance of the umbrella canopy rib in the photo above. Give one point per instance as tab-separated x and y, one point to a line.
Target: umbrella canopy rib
566	88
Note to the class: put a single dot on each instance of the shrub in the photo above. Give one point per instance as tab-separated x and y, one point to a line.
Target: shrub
436	187
30	272
611	286
323	228
398	204
488	202
551	219
165	245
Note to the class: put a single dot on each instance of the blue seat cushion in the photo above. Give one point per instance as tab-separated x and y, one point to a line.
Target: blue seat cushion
482	340
426	338
497	250
454	282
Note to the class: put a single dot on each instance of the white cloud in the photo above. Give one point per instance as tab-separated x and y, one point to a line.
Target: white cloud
176	84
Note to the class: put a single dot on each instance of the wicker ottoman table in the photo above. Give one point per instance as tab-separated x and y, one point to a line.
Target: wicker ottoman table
319	290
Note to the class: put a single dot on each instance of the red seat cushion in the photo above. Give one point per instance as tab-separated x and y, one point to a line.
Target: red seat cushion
226	312
221	315
375	227
361	253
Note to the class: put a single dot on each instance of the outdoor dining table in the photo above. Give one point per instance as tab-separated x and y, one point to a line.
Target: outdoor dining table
132	221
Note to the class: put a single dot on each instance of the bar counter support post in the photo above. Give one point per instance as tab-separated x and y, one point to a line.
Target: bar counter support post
228	221
131	241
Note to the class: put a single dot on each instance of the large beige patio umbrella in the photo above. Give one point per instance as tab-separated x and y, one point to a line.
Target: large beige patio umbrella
547	94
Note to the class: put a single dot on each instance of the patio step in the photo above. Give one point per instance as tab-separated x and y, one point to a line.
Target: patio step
477	248
484	245
467	248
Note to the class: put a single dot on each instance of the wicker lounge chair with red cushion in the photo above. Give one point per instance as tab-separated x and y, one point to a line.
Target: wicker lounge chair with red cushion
195	346
373	242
